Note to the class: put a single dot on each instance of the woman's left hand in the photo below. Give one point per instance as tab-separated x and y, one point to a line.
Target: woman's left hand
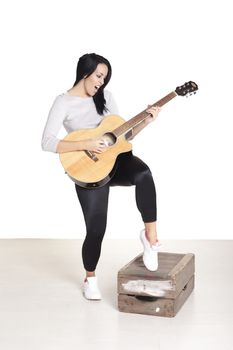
153	113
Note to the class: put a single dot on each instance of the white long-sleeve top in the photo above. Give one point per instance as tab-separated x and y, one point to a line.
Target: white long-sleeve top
74	113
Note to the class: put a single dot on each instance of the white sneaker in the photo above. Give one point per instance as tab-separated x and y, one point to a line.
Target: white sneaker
91	290
150	254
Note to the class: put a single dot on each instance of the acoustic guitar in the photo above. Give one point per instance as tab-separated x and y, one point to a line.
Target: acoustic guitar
92	170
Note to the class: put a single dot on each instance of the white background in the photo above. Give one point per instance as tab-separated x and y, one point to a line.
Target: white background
153	47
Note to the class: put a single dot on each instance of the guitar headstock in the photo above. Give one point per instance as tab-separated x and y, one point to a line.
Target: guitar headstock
187	88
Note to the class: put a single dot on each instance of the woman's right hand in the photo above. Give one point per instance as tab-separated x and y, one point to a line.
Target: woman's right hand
95	145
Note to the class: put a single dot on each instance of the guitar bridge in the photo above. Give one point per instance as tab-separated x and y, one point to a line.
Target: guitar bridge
92	155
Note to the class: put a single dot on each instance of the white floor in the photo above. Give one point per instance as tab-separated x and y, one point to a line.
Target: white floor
42	307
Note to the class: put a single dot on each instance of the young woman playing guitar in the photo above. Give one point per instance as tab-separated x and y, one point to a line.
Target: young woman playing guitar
84	106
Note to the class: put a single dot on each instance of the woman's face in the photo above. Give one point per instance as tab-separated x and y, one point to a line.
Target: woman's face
96	79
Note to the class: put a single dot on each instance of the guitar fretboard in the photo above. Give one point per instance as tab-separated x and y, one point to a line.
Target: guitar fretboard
122	129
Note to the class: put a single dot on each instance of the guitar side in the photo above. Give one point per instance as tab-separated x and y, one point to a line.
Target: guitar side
95	171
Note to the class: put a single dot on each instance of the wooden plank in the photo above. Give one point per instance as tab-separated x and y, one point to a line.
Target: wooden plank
166	262
146	287
159	307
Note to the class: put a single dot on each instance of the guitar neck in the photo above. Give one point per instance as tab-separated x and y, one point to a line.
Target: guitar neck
124	128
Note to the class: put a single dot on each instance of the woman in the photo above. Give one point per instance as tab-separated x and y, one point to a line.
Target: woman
84	106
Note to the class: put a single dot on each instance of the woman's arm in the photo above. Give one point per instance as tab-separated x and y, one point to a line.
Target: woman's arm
94	145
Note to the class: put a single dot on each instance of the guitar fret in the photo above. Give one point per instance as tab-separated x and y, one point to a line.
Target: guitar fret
122	129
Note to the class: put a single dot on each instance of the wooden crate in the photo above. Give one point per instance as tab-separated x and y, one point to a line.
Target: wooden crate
159	293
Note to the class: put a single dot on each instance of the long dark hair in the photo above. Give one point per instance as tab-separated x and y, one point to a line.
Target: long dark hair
86	66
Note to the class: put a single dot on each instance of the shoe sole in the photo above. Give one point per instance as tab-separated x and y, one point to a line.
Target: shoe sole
94	299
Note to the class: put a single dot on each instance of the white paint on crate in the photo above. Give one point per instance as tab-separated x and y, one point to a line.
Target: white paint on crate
153	288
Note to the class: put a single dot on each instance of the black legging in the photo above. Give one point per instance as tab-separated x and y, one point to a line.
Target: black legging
94	202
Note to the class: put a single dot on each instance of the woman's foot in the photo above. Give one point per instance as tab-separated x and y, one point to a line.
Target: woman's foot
150	254
90	289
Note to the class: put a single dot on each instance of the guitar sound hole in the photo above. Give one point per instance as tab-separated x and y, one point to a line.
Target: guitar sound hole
109	138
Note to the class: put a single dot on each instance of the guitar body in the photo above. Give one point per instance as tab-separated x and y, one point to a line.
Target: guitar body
94	170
